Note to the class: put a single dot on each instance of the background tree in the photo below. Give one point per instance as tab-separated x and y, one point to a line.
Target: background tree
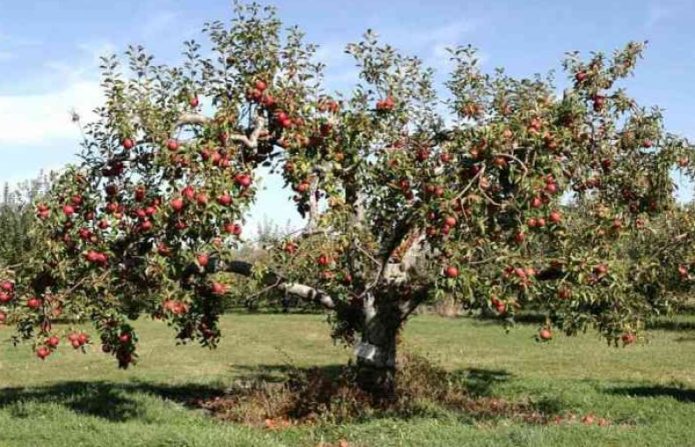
400	206
17	216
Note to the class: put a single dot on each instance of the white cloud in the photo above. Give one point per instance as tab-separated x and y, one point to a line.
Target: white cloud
35	119
44	118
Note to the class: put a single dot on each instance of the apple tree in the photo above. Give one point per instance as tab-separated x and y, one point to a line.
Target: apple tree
408	196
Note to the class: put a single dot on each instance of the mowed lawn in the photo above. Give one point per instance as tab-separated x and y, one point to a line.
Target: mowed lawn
72	399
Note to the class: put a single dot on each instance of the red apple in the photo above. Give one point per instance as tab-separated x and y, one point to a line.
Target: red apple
172	145
42	352
545	334
128	144
224	199
260	85
177	204
451	272
218	288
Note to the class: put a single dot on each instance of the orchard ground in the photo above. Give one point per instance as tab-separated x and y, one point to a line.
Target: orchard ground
647	391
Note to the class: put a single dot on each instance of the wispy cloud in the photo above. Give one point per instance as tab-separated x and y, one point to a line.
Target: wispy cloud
40	118
35	119
657	13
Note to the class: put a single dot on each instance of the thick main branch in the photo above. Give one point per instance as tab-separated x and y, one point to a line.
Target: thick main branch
271	279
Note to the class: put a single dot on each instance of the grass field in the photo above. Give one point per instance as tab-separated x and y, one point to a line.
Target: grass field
647	391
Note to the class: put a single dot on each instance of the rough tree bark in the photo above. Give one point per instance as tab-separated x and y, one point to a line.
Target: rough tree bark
376	352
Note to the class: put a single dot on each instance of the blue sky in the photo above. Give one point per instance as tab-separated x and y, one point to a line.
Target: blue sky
49	51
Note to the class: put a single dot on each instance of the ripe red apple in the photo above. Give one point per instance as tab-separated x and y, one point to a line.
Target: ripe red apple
177	204
42	352
580	76
146	225
218	288
194	102
140	193
203	259
532	222
224	199
451	272
202	198
519	237
233	228
172	145
545	334
540	222
243	180
68	210
551	188
628	338
128	144
82	338
260	85
92	256
536	202
323	260
385	105
53	341
450	221
33	303
601	269
555	217
683	271
124	338
7	286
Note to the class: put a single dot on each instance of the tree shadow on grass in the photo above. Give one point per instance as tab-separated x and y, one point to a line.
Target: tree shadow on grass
680	394
538	318
111	401
120	402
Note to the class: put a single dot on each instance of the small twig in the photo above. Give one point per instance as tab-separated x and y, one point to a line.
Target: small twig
470	184
265	289
516	159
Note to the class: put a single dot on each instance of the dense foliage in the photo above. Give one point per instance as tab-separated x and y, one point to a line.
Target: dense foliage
402	203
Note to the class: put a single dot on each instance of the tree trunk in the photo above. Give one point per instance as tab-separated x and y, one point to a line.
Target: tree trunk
376	353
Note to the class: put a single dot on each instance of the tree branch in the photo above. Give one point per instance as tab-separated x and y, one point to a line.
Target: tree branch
271	279
250	141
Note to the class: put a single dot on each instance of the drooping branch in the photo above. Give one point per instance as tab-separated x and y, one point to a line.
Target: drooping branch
277	281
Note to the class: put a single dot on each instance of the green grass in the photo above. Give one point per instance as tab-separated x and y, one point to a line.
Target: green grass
73	399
